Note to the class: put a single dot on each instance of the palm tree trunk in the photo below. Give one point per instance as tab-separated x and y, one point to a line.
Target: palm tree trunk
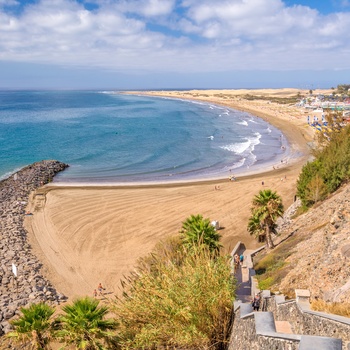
269	241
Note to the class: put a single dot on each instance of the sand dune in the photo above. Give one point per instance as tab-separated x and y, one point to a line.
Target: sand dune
86	235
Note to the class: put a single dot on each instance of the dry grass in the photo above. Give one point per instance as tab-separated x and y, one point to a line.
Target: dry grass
342	309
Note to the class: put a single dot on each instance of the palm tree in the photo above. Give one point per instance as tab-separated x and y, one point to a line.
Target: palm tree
255	228
84	325
34	326
267	207
196	230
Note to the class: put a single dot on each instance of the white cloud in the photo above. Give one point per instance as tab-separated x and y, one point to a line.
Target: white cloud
195	35
9	3
145	8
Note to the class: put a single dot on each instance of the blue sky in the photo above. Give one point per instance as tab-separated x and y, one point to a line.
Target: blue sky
155	44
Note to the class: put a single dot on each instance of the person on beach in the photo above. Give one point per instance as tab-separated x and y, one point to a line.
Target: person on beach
241	258
100	288
94	294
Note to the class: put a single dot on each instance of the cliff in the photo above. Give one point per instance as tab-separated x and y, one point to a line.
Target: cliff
318	256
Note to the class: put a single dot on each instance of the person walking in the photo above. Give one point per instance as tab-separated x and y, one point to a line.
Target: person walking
100	288
236	262
256	302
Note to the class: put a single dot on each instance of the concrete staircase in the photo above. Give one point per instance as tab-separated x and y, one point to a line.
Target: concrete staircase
281	324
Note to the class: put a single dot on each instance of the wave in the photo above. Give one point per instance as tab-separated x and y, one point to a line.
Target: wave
251	120
243	122
245	147
238	164
237	148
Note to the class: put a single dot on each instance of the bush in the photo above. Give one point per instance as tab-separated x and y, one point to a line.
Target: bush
329	170
186	305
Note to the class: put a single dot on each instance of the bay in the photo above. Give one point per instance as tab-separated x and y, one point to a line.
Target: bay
109	137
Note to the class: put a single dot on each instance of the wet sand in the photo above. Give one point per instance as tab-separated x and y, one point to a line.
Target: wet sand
90	234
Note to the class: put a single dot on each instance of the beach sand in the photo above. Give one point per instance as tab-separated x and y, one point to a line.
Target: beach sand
90	234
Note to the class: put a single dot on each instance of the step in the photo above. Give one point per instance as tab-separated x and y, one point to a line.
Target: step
283	327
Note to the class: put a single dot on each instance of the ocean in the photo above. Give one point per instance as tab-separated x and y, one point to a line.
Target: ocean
110	137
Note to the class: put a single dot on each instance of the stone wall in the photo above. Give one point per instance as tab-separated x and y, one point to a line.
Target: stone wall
30	286
307	322
312	330
243	334
256	331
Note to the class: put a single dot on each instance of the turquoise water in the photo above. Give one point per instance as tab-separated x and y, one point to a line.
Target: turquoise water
112	137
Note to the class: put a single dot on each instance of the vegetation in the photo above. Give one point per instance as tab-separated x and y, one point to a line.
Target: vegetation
342	309
34	326
344	88
267	207
255	228
179	305
196	230
180	296
271	267
280	100
331	166
83	324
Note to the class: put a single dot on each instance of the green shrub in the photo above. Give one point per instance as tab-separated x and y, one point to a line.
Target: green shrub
178	305
331	167
266	283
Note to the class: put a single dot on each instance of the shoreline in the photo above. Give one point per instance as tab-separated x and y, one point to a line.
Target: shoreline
296	150
85	235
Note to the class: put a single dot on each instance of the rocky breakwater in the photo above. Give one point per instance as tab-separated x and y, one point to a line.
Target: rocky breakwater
16	258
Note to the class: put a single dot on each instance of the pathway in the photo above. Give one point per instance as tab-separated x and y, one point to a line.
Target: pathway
244	290
243	278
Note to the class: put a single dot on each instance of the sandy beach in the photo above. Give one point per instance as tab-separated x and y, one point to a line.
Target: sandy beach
90	234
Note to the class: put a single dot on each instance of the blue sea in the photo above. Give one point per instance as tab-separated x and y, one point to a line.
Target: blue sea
110	137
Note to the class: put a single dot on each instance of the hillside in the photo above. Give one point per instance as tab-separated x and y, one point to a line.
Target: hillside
317	254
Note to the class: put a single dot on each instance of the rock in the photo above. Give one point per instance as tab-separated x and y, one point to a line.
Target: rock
345	250
61	296
8	314
32	296
14	195
6	327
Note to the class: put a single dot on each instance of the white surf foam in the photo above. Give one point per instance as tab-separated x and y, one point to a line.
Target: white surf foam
245	148
238	164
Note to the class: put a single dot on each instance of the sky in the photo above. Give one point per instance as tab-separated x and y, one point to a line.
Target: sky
174	44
